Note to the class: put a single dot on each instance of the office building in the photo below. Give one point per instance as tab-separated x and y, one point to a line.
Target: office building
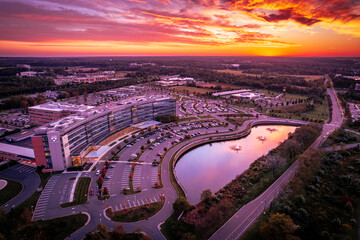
50	112
66	142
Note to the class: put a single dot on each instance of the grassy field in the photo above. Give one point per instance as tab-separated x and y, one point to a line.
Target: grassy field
307	77
192	90
318	113
205	116
55	229
237	72
224	86
187	119
287	96
136	213
9	191
81	192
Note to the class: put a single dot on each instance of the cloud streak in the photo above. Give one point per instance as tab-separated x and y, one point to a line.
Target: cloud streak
196	23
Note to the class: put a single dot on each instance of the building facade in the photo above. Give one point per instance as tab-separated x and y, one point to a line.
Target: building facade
63	144
50	112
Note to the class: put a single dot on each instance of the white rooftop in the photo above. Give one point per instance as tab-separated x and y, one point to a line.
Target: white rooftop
98	153
231	92
57	107
23	151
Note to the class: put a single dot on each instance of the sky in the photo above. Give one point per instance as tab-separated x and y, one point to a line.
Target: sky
44	28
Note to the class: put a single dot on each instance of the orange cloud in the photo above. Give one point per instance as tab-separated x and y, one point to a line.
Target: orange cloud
202	27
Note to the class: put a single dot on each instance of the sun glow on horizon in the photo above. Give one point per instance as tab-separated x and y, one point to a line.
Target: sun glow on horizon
258	28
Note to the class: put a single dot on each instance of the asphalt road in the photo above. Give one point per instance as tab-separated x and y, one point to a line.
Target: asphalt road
27	177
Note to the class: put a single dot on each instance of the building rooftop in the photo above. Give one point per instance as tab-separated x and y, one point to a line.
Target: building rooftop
53	106
22	151
231	92
67	123
19	136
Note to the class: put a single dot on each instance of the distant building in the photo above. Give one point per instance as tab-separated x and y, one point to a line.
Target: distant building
27	66
28	74
91	79
357	87
217	94
357	78
49	112
247	95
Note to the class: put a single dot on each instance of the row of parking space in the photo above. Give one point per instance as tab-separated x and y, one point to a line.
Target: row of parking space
125	177
137	177
154	175
136	202
44	198
108	177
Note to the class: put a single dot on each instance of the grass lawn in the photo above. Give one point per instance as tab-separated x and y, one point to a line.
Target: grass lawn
318	113
224	86
205	116
307	77
136	213
238	72
192	90
288	96
187	119
81	192
9	191
54	229
237	121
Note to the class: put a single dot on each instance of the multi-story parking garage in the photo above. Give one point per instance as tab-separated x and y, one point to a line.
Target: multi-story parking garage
64	143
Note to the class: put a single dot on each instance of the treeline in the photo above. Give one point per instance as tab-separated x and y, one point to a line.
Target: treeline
102	233
65	91
322	201
13	85
202	220
254	65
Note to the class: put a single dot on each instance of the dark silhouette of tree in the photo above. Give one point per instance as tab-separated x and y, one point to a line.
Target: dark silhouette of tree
279	227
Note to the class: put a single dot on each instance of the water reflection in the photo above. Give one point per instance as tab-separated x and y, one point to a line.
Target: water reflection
212	166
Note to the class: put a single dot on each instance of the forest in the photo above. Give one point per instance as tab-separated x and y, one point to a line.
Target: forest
321	202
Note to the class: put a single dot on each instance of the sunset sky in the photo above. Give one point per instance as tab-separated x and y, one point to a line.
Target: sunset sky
179	27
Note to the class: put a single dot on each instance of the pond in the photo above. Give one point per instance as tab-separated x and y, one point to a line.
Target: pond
212	166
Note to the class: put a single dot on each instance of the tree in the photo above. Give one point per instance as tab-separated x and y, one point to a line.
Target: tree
100	181
279	227
165	149
142	148
148	141
206	194
105	191
181	204
274	160
107	164
103	172
126	141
